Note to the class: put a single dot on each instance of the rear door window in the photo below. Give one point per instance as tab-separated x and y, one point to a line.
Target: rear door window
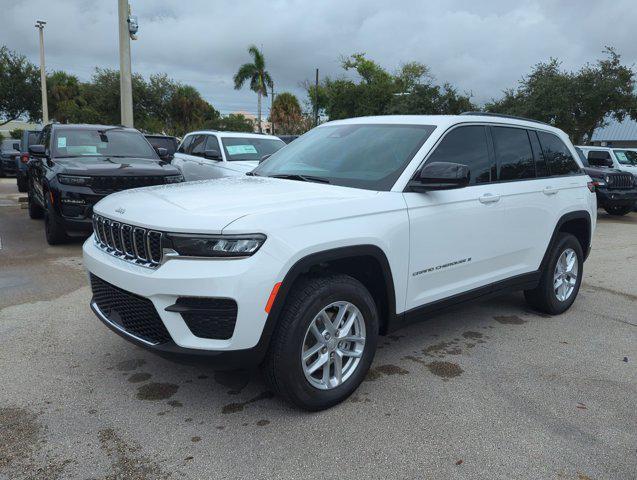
198	146
513	153
212	143
557	155
467	146
185	144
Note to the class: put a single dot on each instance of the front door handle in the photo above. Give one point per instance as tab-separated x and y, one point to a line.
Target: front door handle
550	191
489	198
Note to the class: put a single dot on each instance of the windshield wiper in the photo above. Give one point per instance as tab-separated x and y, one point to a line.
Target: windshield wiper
302	178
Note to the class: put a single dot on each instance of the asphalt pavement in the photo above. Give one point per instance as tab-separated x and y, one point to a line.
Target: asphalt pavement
491	390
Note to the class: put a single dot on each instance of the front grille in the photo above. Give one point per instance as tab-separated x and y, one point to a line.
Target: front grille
213	318
134	314
134	244
109	184
620	180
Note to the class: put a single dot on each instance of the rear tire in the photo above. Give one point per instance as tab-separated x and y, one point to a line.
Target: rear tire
559	284
301	324
23	185
619	210
53	228
35	210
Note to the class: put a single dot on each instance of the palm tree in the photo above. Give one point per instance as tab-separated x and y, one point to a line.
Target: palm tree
256	73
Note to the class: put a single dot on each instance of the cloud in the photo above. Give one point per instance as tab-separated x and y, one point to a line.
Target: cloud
480	47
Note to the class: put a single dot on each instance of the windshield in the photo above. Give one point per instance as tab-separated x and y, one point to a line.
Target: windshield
582	157
101	143
369	156
247	148
626	157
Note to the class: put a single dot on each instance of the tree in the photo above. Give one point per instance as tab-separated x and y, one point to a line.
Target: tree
188	111
19	88
235	122
16	133
259	78
410	90
66	98
286	114
577	102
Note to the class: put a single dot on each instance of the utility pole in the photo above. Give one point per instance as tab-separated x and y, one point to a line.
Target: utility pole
125	81
271	105
316	99
39	24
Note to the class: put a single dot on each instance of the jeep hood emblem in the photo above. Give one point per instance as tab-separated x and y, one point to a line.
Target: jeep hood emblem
120	210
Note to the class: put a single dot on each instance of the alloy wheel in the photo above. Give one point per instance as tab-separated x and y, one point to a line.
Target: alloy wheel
333	345
565	275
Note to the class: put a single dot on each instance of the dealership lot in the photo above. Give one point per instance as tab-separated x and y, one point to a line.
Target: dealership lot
489	390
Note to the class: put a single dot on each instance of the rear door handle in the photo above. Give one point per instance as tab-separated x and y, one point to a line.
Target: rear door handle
550	191
489	198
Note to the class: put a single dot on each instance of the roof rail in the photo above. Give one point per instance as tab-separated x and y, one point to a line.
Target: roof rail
503	115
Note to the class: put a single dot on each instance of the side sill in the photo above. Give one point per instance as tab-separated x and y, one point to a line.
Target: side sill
525	281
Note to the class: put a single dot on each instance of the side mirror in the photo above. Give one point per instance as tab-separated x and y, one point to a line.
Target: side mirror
441	176
265	157
212	154
162	152
37	150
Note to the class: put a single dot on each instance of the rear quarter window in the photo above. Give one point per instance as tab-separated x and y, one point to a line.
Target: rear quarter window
557	155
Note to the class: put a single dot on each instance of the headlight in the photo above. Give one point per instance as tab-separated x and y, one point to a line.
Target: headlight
216	245
74	180
174	178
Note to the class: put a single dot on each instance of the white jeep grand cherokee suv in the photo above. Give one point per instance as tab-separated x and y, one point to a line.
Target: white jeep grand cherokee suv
355	229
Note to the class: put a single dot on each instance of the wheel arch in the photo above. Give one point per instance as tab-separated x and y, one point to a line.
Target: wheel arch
366	263
578	224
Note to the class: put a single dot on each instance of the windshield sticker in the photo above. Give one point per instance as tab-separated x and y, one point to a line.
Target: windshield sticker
621	156
61	142
241	149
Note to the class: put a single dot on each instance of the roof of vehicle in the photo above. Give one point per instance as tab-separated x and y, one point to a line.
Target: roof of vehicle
233	134
595	147
446	121
158	135
89	126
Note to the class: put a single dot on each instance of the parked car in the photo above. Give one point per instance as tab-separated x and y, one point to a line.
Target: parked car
355	229
9	150
77	165
29	137
616	189
622	159
288	138
212	154
166	142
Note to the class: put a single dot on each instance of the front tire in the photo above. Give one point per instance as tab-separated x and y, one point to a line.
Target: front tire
53	228
619	210
324	342
561	279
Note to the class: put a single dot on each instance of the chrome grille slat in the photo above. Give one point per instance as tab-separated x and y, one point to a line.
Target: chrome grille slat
128	242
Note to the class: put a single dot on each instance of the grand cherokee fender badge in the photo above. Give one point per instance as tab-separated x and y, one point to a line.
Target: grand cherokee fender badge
120	210
440	267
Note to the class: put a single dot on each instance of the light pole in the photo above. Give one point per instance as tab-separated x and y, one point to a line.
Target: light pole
39	24
125	82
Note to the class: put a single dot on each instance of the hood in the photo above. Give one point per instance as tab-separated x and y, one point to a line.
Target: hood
598	172
110	166
241	166
208	206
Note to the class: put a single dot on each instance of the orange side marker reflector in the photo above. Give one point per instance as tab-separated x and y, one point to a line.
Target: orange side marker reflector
275	290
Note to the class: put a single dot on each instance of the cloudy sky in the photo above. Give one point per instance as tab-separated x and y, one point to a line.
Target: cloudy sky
480	46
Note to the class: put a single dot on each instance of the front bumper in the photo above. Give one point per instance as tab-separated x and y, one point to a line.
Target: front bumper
611	197
247	281
8	166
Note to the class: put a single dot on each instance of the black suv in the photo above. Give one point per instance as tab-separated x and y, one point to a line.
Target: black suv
616	190
74	166
8	153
